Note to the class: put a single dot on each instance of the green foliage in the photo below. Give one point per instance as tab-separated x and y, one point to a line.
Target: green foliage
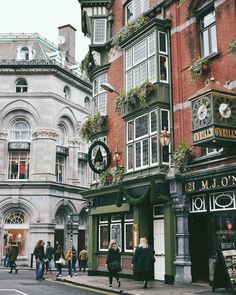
91	126
128	30
197	68
86	64
104	178
117	175
133	98
232	47
181	157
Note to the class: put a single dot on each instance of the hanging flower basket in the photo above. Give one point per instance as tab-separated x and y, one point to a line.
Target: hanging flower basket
198	67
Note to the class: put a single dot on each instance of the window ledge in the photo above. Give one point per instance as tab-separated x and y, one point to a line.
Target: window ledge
212	55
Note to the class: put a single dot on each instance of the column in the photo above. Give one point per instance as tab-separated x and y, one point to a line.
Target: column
4	157
181	208
72	169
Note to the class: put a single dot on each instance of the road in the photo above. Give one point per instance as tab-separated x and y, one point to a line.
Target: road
24	283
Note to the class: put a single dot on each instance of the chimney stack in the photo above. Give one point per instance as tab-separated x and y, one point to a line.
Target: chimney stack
66	42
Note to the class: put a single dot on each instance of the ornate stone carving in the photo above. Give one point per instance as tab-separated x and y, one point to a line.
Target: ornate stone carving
44	133
3	134
73	141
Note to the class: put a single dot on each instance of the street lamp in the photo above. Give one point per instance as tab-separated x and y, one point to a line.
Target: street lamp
165	138
108	87
72	218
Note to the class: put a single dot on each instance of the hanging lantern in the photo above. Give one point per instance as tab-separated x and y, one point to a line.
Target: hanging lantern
98	160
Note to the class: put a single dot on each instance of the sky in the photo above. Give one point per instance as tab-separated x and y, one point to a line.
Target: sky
43	17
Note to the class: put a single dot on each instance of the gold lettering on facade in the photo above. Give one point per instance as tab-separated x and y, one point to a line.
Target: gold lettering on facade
233	179
204	134
226	133
213	183
204	184
190	186
224	181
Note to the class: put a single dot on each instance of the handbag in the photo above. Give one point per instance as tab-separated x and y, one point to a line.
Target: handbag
61	261
115	265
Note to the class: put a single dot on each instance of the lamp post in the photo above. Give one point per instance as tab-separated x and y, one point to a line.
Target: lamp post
72	219
108	87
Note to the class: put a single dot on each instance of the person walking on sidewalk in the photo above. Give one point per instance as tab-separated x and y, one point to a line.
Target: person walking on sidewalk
83	258
49	257
39	256
143	261
113	262
74	260
59	260
68	258
13	253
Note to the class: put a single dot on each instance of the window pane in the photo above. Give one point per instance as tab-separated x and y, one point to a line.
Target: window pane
129	59
163	68
164	120
152	69
213	39
138	154
99	31
165	154
130	130
129	80
18	165
162	42
143	72
128	237
154	150
136	76
60	168
102	101
151	44
130	155
141	126
103	237
205	44
209	19
145	152
116	233
139	52
129	12
153	121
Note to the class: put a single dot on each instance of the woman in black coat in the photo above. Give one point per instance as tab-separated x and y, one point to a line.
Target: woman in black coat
143	262
113	262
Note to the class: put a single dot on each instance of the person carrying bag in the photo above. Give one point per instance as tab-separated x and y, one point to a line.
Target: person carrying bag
59	259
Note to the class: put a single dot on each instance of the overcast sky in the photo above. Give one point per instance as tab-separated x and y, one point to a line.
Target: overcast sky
43	17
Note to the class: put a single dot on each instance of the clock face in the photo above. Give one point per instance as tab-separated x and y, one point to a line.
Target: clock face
202	113
225	110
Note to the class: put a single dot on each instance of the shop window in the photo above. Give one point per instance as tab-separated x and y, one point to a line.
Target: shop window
116	227
135	8
100	95
20	131
208	38
60	168
21	86
99	31
18	167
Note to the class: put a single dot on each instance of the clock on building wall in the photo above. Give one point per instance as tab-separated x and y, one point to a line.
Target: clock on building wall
214	119
201	112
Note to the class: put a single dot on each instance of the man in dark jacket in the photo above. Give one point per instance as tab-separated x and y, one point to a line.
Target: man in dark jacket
13	253
39	256
49	257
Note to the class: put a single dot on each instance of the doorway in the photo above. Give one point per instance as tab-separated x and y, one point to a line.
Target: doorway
59	238
199	247
159	248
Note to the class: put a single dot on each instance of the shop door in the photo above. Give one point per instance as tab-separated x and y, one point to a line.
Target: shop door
159	248
199	248
59	238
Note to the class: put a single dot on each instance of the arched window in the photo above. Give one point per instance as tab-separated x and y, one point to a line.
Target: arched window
61	134
87	103
66	91
21	85
24	53
16	217
20	130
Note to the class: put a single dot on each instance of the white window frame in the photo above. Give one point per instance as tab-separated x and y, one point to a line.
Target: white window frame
144	7
104	20
99	236
125	225
99	94
167	130
22	156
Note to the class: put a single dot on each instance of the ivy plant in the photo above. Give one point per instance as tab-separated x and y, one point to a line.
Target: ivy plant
197	67
181	157
232	47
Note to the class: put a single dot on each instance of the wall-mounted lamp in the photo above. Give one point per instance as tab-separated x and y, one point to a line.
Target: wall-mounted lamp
165	138
109	88
116	156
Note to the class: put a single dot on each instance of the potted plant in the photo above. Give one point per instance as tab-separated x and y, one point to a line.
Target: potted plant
232	47
92	125
181	157
117	174
197	67
134	97
105	178
128	30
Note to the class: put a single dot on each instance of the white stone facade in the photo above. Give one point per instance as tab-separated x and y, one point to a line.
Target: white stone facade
41	175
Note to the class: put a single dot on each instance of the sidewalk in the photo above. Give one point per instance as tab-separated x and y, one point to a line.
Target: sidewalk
131	287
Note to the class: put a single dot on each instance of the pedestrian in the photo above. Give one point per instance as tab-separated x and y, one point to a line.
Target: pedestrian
143	261
83	258
6	258
49	257
13	253
68	258
113	262
74	260
39	256
59	259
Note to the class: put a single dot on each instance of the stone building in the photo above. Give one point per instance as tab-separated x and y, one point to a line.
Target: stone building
43	165
186	49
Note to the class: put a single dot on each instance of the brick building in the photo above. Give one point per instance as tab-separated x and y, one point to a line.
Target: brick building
184	51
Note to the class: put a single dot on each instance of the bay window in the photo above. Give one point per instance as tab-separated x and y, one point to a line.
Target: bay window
135	8
99	31
100	95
